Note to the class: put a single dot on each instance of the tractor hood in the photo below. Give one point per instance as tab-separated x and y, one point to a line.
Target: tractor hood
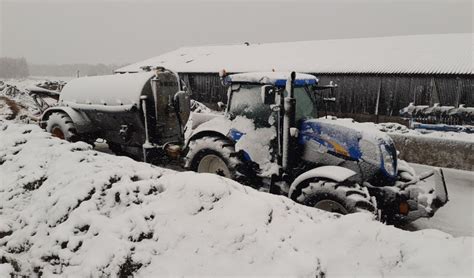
349	140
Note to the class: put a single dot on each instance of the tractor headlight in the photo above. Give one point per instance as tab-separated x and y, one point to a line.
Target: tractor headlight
387	160
370	152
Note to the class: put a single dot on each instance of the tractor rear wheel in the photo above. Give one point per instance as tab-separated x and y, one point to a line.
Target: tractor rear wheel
217	155
61	126
343	198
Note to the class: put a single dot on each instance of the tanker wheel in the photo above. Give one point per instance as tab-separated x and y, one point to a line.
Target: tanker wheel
61	126
343	198
217	155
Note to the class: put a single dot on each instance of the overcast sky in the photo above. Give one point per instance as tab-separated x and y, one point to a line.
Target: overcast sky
119	32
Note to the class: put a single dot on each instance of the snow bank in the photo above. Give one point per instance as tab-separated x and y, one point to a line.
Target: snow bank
68	210
394	128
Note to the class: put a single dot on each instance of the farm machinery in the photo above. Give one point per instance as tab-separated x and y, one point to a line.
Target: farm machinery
140	115
269	136
440	118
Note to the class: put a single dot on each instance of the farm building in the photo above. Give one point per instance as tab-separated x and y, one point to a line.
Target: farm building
381	74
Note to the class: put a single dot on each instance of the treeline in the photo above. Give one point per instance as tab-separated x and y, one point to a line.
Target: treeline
19	68
13	67
72	69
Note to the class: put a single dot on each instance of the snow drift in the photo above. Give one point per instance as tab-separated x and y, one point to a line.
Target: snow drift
68	210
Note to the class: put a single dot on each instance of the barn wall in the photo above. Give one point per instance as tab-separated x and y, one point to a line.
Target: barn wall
206	88
357	93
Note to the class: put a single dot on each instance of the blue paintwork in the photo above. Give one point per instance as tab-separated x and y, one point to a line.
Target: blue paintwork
298	82
235	136
443	127
341	141
332	137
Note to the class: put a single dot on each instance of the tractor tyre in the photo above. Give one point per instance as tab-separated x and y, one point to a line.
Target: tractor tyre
343	198
116	148
217	155
61	126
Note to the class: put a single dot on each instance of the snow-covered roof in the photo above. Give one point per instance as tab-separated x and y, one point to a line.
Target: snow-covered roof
275	78
426	54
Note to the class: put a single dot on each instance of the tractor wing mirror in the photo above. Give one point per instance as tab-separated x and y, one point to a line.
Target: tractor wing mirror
268	94
221	106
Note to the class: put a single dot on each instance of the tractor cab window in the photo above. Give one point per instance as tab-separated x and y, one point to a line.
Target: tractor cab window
247	102
305	103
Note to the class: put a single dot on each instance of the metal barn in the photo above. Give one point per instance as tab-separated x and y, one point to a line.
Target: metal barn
376	76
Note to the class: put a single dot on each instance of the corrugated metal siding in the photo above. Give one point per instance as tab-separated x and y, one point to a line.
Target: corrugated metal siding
417	54
357	93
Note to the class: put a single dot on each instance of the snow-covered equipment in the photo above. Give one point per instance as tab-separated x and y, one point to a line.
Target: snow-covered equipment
271	137
43	98
440	118
9	90
137	114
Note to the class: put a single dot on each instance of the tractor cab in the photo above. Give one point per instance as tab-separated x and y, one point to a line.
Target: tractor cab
257	95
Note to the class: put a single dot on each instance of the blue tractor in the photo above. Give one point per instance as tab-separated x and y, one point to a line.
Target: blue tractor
272	138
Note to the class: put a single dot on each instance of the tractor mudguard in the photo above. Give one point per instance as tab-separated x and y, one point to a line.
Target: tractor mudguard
197	126
80	120
335	173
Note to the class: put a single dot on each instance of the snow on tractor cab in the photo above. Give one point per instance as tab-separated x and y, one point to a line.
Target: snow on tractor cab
139	114
271	138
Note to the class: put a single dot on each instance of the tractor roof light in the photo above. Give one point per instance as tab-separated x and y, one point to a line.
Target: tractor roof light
222	73
159	70
224	77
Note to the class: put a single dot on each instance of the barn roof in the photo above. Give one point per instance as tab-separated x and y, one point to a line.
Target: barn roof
415	54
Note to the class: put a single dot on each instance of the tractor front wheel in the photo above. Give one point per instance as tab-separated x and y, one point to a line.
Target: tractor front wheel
343	198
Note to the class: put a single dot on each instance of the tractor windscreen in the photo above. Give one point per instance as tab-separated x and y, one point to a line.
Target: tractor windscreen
247	102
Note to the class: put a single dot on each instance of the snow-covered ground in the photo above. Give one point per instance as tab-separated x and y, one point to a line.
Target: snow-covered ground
460	185
68	210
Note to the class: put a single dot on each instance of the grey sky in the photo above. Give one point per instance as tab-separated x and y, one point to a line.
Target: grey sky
125	32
